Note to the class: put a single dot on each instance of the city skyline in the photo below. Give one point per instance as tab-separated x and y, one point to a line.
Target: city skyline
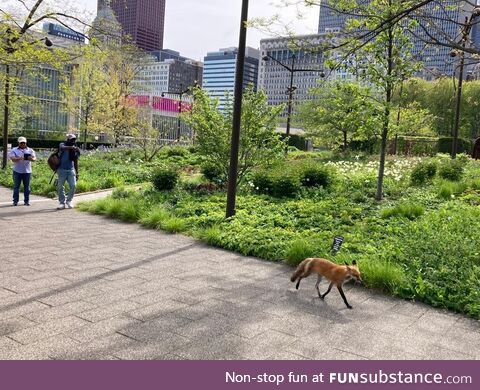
212	25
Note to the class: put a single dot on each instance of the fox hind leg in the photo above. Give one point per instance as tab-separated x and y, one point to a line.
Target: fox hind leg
319	279
304	274
298	283
328	290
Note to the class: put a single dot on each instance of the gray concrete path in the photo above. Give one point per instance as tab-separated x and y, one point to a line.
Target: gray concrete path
79	286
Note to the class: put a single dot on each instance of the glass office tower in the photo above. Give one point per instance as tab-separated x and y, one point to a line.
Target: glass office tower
219	72
142	20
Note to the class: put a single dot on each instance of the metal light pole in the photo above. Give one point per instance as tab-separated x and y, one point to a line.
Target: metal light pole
180	95
237	113
290	96
10	49
291	89
466	28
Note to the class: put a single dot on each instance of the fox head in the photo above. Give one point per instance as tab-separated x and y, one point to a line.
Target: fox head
354	272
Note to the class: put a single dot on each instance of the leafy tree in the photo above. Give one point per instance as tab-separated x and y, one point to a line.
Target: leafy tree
149	137
438	98
387	57
412	120
340	112
260	145
101	86
84	90
22	50
430	26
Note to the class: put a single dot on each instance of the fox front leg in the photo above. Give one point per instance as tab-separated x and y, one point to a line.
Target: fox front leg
328	290
319	279
344	297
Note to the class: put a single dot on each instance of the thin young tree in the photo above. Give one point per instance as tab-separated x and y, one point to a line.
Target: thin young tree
387	57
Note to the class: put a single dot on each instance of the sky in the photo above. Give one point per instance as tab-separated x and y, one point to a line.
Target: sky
195	27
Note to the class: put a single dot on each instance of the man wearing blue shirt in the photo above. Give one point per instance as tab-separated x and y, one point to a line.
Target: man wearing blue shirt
67	171
21	157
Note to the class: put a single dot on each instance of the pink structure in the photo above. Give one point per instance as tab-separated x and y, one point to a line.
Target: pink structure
159	103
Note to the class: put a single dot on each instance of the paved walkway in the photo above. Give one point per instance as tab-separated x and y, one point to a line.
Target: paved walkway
79	286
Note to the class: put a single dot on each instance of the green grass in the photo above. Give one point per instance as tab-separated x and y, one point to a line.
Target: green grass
405	210
298	251
155	218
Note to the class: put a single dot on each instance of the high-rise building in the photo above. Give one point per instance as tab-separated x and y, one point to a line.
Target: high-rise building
219	72
142	20
274	79
443	20
168	71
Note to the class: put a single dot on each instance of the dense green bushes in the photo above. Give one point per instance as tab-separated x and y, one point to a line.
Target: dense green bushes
423	172
451	170
288	180
164	179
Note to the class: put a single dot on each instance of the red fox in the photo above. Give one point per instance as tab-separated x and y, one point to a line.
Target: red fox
336	274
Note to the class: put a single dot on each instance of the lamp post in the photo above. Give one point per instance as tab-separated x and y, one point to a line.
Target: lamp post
465	32
291	89
180	95
237	113
10	49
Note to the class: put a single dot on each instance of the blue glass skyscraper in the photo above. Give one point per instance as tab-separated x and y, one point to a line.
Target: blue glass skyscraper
219	72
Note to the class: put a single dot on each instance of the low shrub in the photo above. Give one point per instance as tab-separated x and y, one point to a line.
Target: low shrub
121	193
176	151
213	173
316	176
280	182
212	235
298	251
174	225
405	210
155	218
165	179
449	189
452	170
112	181
262	182
382	275
285	186
423	173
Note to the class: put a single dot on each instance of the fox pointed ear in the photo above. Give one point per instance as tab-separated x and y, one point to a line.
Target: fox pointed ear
354	262
346	264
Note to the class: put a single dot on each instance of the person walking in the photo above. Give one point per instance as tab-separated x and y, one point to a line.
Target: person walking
67	171
22	156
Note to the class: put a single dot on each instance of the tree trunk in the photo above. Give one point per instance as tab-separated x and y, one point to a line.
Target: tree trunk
386	115
345	144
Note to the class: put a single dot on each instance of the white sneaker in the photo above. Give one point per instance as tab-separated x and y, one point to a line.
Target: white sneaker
61	206
69	205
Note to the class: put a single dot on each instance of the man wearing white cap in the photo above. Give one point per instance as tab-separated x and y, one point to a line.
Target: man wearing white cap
22	156
67	171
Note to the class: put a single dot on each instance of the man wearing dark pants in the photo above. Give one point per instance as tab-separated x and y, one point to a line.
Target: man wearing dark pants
67	171
21	157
